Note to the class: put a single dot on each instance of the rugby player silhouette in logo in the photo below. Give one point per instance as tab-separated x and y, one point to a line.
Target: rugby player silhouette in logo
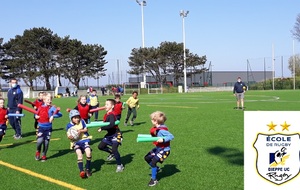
279	156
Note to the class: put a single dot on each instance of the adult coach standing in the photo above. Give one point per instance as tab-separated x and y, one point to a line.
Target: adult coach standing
15	97
238	91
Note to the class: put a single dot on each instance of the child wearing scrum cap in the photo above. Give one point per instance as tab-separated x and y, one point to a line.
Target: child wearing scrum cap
80	142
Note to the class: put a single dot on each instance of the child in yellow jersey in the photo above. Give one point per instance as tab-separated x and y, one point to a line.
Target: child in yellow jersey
93	102
133	105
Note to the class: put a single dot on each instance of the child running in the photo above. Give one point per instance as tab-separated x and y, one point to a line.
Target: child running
133	105
83	108
36	104
81	144
113	137
162	145
3	118
93	102
118	107
45	116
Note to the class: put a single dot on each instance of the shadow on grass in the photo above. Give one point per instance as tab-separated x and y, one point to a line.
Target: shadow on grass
97	141
28	134
231	155
137	124
15	144
167	171
125	159
127	131
60	153
96	165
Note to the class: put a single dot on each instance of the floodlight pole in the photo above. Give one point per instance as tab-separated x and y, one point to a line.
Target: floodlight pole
273	69
294	66
184	14
143	3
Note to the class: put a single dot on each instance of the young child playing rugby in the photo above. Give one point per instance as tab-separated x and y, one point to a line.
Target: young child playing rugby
133	105
118	107
93	102
36	104
81	144
84	108
162	145
113	137
45	116
3	119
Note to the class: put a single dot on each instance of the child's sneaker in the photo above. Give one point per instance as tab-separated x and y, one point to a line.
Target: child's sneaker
152	182
131	123
88	173
120	168
82	174
37	156
110	157
17	137
44	158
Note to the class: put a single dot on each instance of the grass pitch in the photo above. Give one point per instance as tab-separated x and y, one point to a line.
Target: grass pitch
207	152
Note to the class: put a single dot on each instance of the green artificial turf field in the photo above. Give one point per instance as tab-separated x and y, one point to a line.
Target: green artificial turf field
207	152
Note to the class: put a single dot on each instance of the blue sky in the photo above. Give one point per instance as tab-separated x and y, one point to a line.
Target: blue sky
227	32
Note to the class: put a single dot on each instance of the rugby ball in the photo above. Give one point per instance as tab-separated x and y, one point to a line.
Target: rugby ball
73	132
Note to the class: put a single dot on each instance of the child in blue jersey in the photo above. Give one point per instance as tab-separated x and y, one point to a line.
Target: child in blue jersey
162	145
81	144
45	116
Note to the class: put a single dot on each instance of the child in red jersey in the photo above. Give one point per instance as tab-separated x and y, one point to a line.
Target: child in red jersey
162	145
83	108
36	104
3	118
113	137
45	116
118	107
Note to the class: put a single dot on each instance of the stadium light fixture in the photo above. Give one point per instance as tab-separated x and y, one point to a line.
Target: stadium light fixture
184	14
143	3
294	67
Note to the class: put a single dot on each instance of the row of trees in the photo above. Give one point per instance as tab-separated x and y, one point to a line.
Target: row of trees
40	54
295	59
167	59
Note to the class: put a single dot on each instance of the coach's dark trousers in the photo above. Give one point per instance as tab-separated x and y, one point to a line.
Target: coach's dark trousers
15	123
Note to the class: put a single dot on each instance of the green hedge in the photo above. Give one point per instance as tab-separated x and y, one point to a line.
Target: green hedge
279	84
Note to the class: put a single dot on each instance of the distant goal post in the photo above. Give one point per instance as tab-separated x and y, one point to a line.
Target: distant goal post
130	87
155	88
